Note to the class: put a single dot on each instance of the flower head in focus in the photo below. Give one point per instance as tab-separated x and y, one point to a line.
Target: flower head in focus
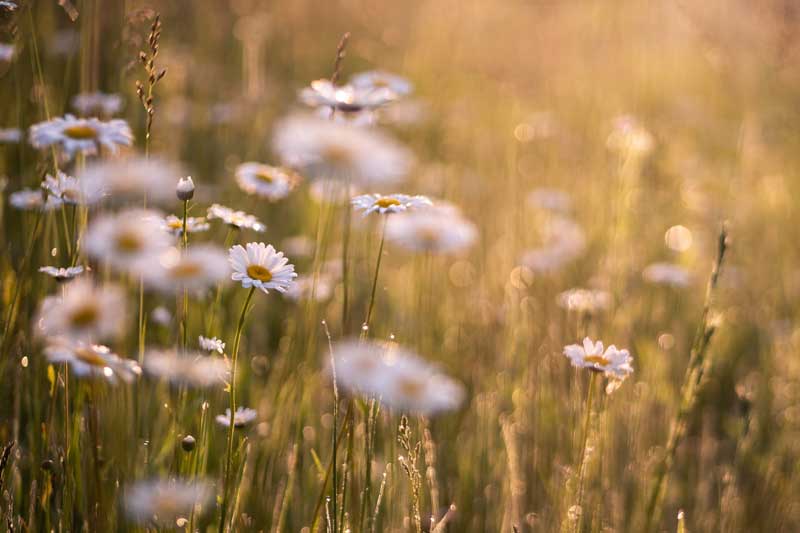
612	362
390	203
260	266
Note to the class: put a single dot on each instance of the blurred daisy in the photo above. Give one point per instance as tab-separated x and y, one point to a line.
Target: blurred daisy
81	135
192	369
431	231
260	266
667	274
128	239
584	300
347	98
10	135
166	503
612	362
91	360
174	225
564	241
268	182
161	316
132	178
305	288
401	379
391	203
84	312
30	199
377	80
242	417
212	344
237	219
195	269
62	274
7	52
97	102
549	199
322	148
69	190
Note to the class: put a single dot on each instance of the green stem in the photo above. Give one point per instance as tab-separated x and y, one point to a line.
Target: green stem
229	454
581	470
375	278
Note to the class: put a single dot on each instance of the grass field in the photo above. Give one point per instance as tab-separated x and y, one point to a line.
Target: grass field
375	306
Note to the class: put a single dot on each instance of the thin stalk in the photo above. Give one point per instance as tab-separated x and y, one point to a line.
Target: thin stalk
581	470
185	315
229	453
375	278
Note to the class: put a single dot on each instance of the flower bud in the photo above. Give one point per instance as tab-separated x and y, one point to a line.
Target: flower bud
188	443
185	189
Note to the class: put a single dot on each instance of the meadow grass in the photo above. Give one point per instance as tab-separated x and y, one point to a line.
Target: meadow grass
641	152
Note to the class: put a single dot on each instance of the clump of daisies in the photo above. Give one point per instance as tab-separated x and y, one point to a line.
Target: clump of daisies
612	362
389	203
80	135
260	266
399	378
265	181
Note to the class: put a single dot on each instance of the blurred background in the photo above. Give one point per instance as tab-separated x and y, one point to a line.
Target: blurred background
510	97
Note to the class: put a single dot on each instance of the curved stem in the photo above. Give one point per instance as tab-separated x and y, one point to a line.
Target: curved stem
229	454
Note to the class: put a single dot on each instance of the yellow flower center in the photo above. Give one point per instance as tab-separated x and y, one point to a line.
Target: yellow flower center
265	176
185	269
259	272
597	360
80	132
90	357
386	202
411	388
85	315
128	242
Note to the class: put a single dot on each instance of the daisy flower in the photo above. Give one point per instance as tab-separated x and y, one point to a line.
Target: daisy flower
377	80
391	203
10	135
69	190
211	344
612	362
584	300
345	98
62	274
30	199
174	225
400	378
667	274
242	417
272	183
132	178
260	266
84	312
322	148
431	231
195	269
91	360
81	135
237	219
166	503
97	102
128	239
191	369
